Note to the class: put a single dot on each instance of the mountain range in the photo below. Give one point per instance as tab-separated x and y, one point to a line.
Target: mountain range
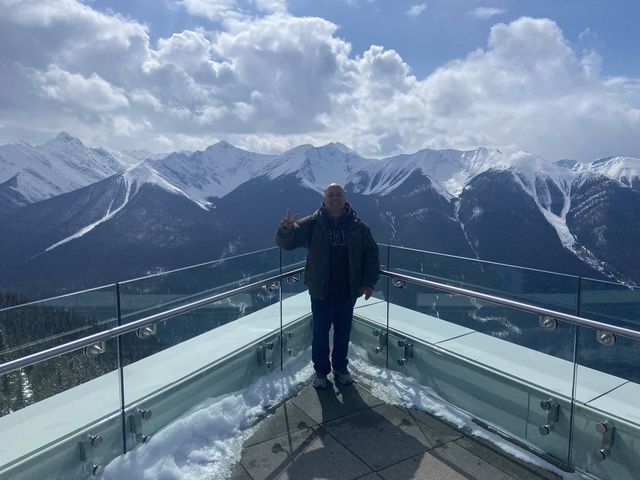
75	217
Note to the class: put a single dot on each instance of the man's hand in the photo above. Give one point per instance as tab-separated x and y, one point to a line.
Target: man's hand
367	291
288	221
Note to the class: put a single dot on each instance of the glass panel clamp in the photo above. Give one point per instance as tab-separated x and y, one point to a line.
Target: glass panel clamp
87	446
553	415
547	322
95	349
136	420
605	338
407	351
272	286
382	340
399	283
607	432
262	354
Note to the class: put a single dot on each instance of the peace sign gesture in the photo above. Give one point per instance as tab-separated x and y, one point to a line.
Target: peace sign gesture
288	221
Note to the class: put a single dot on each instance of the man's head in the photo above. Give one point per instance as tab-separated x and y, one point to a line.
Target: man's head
334	199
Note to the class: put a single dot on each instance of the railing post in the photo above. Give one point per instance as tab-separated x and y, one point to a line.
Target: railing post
388	297
280	299
123	418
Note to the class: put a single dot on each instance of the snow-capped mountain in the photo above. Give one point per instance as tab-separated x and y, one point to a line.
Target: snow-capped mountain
506	206
213	172
624	169
29	174
316	167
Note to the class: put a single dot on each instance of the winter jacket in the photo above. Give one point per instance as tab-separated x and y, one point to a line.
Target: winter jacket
312	233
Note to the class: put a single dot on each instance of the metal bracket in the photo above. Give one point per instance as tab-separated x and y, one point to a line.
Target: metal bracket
547	322
553	415
607	432
95	349
382	340
86	454
293	279
605	338
262	354
136	424
147	331
407	351
272	286
399	283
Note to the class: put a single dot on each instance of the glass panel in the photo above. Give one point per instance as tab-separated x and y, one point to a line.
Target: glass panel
608	384
33	327
51	407
494	362
156	293
292	259
544	289
197	356
296	311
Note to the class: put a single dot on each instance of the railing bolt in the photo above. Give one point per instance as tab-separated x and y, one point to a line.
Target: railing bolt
95	440
95	349
548	323
607	339
146	331
545	429
97	470
145	413
599	455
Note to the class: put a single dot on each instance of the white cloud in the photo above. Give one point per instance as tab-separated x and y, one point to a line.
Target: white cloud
486	12
225	10
272	82
416	10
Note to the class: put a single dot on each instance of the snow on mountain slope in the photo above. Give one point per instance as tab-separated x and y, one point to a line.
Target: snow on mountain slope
624	169
213	172
132	180
60	165
316	167
451	170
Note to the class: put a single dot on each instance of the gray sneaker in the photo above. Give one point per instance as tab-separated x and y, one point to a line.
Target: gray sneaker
320	381
344	377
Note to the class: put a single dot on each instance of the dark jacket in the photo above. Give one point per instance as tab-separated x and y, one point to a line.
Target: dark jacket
312	233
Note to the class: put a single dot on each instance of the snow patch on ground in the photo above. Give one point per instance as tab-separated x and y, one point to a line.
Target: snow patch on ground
207	442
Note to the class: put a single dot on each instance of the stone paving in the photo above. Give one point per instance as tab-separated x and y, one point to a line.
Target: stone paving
345	433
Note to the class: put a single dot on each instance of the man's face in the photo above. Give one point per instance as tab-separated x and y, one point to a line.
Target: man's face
334	199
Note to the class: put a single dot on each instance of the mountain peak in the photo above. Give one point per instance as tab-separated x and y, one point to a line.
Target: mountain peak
337	146
63	139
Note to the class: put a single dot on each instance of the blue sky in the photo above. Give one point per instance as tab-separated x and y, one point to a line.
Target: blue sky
560	79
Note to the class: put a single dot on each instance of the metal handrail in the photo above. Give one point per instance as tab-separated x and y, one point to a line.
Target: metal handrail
105	335
129	327
584	322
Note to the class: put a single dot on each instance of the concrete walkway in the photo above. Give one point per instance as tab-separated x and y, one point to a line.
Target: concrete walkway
345	433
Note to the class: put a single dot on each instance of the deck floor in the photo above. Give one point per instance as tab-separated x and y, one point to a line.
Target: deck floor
346	433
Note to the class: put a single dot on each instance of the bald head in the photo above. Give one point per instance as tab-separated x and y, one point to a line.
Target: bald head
334	199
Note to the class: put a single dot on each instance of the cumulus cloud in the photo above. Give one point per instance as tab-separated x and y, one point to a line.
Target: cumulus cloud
271	82
486	12
416	10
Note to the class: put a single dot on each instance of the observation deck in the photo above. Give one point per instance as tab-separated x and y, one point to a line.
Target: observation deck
465	369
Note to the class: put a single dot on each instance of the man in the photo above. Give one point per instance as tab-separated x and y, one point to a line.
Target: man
342	264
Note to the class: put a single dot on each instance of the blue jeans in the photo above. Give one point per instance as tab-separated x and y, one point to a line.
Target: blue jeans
339	313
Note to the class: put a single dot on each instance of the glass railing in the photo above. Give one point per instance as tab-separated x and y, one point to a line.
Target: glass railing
116	394
562	390
547	383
